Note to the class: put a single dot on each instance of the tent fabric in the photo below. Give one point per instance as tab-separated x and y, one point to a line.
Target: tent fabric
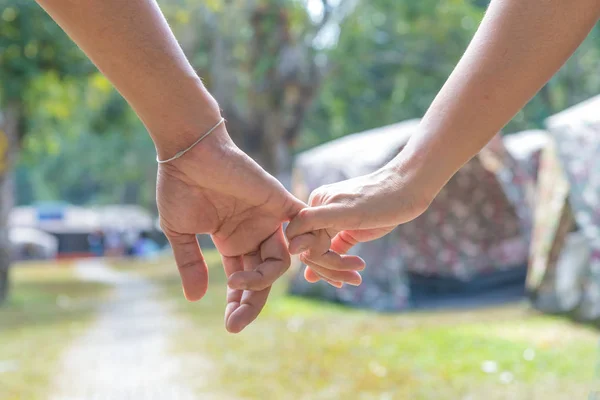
472	229
519	172
569	191
526	148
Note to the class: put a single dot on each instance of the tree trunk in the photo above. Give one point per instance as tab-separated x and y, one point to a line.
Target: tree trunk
9	130
265	95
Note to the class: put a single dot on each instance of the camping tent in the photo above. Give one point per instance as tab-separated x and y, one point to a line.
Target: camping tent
564	273
471	244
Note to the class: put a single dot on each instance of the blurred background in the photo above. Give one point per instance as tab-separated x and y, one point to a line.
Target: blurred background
493	293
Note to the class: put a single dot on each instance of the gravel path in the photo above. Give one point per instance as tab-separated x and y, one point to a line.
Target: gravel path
125	354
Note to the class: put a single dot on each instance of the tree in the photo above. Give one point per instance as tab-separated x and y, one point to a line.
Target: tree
31	44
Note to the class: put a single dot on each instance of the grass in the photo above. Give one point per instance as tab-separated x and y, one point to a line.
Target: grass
301	349
48	307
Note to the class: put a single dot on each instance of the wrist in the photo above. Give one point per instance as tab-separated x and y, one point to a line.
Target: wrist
182	121
417	170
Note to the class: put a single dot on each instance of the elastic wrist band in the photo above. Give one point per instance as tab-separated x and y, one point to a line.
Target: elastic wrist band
182	152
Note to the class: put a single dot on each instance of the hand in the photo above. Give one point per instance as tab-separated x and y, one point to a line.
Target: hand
215	188
352	211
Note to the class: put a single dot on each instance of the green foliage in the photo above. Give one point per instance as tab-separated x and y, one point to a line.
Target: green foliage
392	57
87	145
32	44
390	60
75	124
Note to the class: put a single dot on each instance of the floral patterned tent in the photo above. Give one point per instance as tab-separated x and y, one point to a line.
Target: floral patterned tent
471	242
564	274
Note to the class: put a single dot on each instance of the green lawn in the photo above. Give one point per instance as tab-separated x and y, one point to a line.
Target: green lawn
48	307
300	349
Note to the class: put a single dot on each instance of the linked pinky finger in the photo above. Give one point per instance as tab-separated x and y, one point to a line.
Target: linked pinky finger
350	277
312	277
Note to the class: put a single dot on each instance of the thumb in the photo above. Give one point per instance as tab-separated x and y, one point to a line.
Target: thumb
191	265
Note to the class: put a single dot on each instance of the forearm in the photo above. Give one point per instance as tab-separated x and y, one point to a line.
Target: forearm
133	46
518	47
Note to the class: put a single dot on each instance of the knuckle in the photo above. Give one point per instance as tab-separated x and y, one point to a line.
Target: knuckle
188	265
307	258
347	238
340	198
304	213
316	197
305	216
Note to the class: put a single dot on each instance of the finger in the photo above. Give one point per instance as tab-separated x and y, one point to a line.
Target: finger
251	303
334	261
343	242
261	278
314	218
317	246
318	242
302	243
273	261
191	265
312	277
234	297
350	277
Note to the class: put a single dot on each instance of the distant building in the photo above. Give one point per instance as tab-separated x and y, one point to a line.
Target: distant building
72	225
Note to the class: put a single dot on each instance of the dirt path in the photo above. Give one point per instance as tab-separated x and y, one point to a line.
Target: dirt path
124	355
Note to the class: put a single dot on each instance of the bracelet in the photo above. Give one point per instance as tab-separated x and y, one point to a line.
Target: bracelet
182	152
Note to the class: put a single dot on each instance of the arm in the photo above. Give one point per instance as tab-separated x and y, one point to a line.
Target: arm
519	45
